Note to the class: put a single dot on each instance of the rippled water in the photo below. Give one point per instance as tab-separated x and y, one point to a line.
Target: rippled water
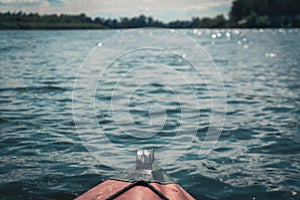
256	157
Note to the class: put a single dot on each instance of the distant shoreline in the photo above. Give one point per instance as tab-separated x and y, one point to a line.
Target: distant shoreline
110	29
21	21
243	14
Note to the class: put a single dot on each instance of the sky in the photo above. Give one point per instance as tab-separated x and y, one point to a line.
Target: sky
165	10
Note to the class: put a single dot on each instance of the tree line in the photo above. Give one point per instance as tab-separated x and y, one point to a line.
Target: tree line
265	13
243	14
22	20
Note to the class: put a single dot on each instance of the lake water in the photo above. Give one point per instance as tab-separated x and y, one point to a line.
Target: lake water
257	155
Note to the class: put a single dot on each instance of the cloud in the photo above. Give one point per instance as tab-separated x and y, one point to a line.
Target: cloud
18	2
161	9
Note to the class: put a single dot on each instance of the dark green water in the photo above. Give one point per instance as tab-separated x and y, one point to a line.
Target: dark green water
257	155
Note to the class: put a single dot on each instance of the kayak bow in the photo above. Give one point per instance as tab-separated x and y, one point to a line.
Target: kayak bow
146	182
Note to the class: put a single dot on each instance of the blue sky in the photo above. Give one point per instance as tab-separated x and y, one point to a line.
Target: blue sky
165	10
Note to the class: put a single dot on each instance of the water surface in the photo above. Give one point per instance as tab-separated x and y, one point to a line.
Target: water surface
256	157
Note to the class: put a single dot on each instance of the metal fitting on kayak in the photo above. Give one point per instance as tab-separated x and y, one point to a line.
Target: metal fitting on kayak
144	160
